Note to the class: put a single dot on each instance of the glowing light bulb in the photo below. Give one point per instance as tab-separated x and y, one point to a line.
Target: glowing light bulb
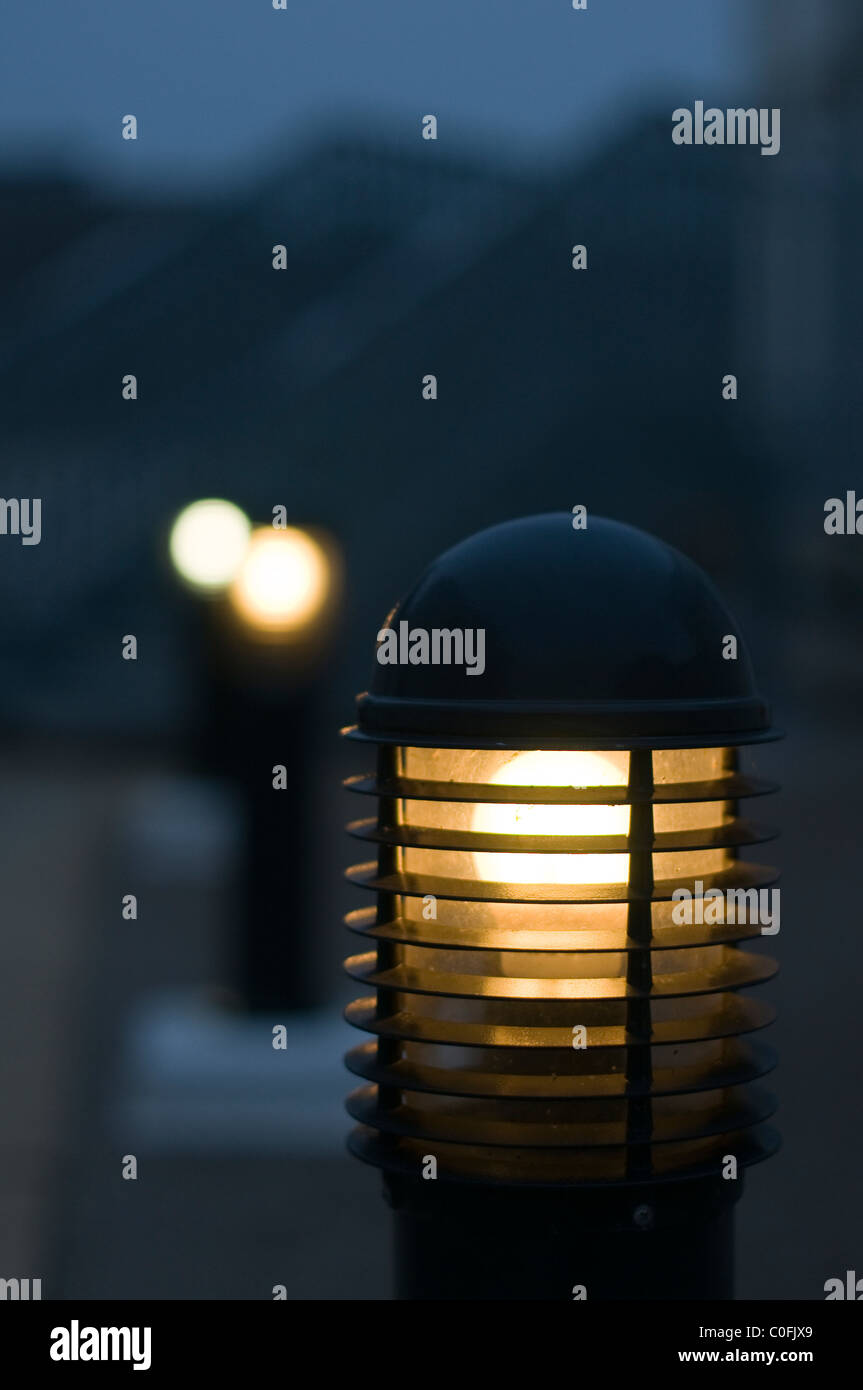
554	769
207	543
284	580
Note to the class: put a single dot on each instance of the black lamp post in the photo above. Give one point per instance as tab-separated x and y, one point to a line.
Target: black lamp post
262	632
559	1087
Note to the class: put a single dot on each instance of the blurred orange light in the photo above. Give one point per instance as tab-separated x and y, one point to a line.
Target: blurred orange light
284	581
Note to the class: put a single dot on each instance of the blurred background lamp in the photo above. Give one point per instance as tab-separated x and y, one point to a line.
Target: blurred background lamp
283	583
562	1082
207	544
260	655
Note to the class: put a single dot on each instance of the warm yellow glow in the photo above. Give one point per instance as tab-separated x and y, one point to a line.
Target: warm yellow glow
554	769
284	580
207	543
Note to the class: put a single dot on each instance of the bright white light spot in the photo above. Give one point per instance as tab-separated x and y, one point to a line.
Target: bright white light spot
554	769
208	542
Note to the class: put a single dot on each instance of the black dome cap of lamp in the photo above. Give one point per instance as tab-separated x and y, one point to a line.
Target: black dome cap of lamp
603	637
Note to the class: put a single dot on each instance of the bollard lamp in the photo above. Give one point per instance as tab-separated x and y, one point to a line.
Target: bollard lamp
562	1075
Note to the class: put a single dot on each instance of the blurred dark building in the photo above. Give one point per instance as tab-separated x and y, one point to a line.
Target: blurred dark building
556	386
804	351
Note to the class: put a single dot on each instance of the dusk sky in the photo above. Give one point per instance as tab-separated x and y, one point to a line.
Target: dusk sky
236	83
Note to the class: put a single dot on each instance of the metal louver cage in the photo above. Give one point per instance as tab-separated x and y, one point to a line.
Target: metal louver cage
540	1013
